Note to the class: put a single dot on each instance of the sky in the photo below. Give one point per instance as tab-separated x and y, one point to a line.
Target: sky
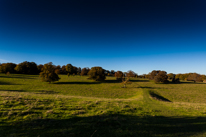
138	35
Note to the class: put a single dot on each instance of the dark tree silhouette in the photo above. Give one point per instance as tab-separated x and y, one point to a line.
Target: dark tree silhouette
79	71
40	68
7	67
63	70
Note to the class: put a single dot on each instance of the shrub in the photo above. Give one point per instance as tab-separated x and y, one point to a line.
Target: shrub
97	73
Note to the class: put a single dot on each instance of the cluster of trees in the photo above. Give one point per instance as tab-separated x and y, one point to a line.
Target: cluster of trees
49	72
7	67
158	76
32	68
191	77
162	77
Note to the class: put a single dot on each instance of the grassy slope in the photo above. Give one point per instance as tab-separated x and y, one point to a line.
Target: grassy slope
76	106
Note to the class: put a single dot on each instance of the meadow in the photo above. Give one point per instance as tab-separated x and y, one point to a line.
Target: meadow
76	106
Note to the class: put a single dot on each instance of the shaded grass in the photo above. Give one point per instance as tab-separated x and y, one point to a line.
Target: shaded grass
111	125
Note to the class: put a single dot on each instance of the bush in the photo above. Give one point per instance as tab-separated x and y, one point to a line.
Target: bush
97	73
161	77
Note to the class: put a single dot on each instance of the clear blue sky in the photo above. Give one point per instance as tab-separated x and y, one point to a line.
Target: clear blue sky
138	35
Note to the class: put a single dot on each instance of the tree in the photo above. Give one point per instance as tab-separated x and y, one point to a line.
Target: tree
48	74
125	82
57	69
97	73
195	77
79	71
153	74
69	69
84	71
40	68
161	77
131	74
112	72
27	68
171	76
7	67
119	75
75	69
63	69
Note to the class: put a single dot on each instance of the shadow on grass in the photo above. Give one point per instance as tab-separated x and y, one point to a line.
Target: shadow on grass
45	92
20	77
108	126
191	82
34	91
158	97
6	83
139	80
14	90
152	87
76	82
111	81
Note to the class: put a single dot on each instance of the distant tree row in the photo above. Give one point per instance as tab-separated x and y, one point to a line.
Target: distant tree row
49	72
162	77
96	73
32	68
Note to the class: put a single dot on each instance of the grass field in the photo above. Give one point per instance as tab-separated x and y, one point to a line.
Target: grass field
75	106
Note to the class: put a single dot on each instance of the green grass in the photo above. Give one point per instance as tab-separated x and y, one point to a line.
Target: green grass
76	106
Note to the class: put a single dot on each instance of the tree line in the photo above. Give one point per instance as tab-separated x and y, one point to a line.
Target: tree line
32	68
49	72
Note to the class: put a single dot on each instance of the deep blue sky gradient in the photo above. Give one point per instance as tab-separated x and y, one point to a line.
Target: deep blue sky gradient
138	35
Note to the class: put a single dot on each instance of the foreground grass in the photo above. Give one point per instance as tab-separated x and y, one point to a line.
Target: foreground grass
71	107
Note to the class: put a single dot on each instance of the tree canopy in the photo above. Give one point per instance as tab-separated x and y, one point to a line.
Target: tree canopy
48	74
27	68
97	73
161	77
